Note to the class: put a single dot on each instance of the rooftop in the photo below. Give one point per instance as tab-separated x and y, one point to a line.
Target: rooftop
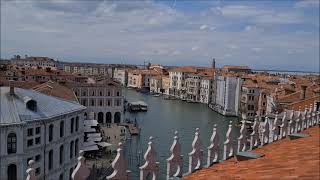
288	159
14	111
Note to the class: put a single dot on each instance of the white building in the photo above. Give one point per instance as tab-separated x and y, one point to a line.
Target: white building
43	128
177	80
226	95
206	90
104	98
121	75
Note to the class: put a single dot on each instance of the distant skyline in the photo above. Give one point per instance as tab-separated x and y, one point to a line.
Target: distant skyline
261	34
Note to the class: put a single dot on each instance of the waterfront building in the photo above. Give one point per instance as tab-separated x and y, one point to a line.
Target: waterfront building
192	84
226	95
177	80
156	84
35	126
30	61
103	97
165	84
140	78
250	94
262	103
121	75
206	90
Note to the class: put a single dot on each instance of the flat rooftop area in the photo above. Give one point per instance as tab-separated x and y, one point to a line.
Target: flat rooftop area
284	159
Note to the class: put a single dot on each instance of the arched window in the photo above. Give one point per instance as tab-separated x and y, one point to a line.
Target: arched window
61	158
101	103
117	117
72	124
12	143
12	172
77	123
85	116
108	117
71	149
76	147
50	132
92	102
61	128
118	93
109	93
92	93
100	93
100	117
50	163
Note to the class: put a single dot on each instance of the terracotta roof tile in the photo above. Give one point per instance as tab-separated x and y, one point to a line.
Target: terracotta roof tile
284	159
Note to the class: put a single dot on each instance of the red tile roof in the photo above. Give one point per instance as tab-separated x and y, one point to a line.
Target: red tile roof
284	159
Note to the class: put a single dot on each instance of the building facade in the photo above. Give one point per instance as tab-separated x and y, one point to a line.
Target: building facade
206	90
226	95
104	98
121	75
249	106
34	61
42	128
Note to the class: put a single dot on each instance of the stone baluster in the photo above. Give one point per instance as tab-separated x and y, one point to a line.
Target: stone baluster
276	129
254	136
31	173
228	144
299	118
318	117
151	166
81	172
284	126
311	116
213	149
242	139
119	166
195	156
292	122
175	161
314	114
265	132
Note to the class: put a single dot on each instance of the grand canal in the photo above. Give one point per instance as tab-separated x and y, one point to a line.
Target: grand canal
161	120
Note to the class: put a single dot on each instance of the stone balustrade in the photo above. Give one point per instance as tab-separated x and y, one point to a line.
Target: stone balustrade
291	122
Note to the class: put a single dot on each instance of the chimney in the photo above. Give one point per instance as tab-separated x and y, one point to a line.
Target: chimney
213	63
11	85
303	92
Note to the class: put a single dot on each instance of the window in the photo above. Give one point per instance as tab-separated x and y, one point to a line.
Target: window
30	132
61	177
71	149
84	93
38	140
38	129
77	123
61	154
12	143
109	93
101	103
30	142
76	147
37	158
72	124
109	103
118	93
61	128
70	173
50	163
92	102
100	93
38	171
92	93
50	132
12	172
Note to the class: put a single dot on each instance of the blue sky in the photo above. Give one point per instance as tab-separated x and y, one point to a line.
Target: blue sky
262	34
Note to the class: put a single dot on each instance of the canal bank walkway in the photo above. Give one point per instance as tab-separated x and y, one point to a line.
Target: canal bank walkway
284	159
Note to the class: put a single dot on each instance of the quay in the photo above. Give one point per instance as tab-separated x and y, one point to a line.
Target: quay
133	129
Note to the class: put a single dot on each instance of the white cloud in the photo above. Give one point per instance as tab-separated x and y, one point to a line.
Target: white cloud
307	3
257	49
195	48
250	28
203	27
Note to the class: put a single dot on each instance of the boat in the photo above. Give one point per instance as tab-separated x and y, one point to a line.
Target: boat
137	106
156	95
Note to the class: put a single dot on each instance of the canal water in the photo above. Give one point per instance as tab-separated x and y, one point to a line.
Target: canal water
162	119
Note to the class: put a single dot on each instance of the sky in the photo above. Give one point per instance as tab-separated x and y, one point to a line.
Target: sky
261	34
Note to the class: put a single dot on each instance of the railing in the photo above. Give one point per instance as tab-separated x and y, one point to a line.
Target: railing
291	122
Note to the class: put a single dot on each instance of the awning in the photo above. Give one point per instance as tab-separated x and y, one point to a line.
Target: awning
94	135
90	148
90	122
89	129
95	139
104	144
89	143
